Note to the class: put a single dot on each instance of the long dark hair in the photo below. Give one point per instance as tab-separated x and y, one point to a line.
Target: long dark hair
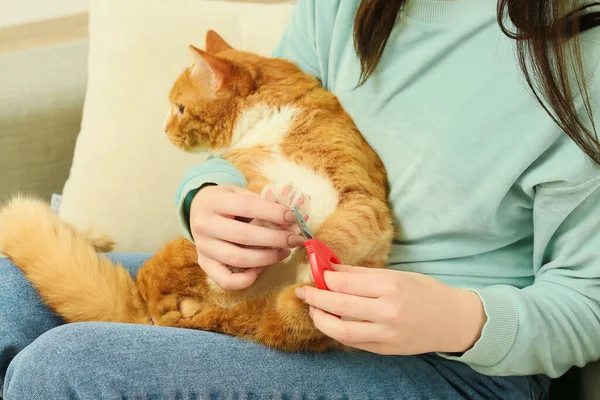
547	38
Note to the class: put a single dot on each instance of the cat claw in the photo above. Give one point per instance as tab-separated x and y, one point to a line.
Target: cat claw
286	195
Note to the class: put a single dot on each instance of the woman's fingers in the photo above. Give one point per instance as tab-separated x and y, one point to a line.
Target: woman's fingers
239	190
357	282
341	304
223	239
223	276
346	332
236	256
251	206
247	234
355	269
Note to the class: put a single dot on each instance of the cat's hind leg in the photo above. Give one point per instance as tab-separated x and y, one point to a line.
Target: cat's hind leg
286	325
279	321
172	283
359	231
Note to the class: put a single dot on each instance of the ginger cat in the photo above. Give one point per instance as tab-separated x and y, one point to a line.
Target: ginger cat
295	145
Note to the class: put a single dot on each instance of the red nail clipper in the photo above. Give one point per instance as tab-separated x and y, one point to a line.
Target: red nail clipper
319	255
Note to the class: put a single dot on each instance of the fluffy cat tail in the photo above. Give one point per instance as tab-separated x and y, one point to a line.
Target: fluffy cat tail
64	267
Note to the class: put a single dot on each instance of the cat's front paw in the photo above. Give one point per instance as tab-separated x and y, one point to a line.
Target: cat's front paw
286	195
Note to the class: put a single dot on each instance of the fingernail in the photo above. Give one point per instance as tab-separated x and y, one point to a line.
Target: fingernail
282	254
311	311
290	216
300	293
295	240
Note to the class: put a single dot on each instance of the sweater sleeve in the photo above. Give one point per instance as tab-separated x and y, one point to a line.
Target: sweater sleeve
554	323
214	171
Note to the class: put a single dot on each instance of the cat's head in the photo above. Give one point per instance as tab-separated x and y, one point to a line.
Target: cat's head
208	95
203	95
220	84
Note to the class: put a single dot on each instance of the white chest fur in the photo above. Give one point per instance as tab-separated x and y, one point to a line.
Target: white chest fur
262	125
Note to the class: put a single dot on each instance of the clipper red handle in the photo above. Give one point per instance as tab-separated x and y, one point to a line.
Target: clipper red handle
320	257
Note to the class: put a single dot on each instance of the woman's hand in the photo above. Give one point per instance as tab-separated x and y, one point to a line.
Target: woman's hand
394	312
222	240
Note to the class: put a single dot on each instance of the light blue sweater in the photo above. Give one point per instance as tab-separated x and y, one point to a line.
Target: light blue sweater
490	195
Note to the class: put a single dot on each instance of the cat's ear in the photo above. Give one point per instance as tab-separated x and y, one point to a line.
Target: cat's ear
215	43
208	68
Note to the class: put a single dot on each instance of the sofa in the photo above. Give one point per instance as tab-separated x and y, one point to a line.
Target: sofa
66	108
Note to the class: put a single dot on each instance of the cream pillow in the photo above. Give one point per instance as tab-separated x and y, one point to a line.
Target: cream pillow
125	172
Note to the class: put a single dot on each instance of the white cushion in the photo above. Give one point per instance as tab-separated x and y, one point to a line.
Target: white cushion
125	172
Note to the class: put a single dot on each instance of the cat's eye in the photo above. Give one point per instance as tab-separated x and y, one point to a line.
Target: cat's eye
181	109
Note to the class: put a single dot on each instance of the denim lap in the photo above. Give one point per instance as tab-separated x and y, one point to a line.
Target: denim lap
23	316
115	361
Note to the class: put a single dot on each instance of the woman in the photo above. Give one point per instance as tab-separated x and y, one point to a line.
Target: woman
493	282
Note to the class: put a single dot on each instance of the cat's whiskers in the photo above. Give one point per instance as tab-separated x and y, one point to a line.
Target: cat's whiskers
183	142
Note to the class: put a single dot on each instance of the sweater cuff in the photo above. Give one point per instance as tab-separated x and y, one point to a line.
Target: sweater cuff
499	332
212	172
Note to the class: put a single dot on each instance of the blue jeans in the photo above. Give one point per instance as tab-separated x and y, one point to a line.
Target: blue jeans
41	358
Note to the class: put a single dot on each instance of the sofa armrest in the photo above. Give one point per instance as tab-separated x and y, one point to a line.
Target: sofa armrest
41	101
